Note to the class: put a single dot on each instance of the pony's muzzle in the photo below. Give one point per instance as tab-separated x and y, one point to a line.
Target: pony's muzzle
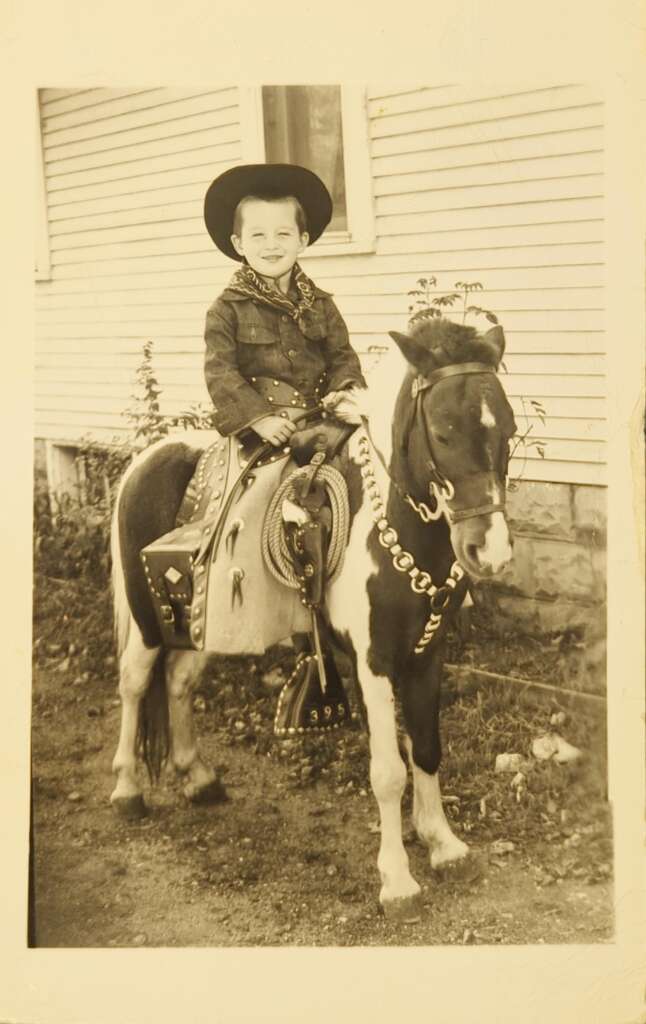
483	545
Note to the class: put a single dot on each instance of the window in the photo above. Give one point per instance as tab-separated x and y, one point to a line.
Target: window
286	109
324	128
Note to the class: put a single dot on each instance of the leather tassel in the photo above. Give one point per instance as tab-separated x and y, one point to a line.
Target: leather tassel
237	576
236	526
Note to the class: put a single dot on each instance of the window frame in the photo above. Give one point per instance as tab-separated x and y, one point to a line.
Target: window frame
360	235
42	259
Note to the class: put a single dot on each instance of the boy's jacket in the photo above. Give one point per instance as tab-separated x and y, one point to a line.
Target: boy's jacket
247	339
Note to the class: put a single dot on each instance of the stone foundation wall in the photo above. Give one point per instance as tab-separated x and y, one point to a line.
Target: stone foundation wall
557	579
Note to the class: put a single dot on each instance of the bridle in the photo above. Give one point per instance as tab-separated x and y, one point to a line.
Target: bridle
440	597
440	487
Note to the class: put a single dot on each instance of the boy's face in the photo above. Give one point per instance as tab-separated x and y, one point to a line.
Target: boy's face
270	239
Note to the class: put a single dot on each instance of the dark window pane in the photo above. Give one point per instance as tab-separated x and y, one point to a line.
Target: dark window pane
303	126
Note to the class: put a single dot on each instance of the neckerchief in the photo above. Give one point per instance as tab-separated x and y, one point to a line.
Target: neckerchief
247	282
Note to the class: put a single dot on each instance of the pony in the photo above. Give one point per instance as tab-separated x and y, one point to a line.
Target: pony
426	480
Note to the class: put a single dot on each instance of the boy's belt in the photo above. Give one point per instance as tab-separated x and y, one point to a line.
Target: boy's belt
280	393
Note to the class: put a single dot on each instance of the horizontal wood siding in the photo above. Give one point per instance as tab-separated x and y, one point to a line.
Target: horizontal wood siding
126	172
501	186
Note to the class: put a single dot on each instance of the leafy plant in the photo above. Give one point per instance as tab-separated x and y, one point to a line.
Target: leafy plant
523	441
428	304
145	416
148	423
72	531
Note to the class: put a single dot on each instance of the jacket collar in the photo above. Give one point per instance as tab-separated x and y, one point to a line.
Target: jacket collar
233	296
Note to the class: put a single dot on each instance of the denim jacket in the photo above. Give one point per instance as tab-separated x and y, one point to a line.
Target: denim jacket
246	339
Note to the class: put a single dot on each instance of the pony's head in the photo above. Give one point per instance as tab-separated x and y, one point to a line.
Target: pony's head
452	432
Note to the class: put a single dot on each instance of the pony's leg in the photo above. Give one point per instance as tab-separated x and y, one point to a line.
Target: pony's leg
135	669
421	707
349	610
429	819
183	670
399	895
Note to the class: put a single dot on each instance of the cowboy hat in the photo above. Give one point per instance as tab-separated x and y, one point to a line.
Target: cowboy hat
271	180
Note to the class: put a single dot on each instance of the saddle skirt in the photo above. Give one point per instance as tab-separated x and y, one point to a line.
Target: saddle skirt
210	587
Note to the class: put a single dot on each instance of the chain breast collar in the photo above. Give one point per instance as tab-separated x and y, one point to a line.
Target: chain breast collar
421	582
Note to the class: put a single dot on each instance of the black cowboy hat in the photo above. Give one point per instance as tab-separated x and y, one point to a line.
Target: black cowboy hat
275	180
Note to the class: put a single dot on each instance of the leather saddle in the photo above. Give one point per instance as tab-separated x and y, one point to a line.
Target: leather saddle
210	588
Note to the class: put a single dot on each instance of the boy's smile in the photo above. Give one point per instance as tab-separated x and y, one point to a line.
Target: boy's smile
270	239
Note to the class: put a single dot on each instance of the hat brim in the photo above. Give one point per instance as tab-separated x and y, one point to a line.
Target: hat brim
272	180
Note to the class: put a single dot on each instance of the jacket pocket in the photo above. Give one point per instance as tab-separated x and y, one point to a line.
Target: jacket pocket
252	332
315	332
314	328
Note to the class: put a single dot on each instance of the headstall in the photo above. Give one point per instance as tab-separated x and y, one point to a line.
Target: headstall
439	486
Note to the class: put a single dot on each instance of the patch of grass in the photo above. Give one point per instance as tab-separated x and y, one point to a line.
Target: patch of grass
568	658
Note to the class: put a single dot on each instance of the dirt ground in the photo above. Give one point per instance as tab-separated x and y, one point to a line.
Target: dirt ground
290	857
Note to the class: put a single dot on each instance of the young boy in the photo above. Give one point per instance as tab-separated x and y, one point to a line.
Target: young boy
273	338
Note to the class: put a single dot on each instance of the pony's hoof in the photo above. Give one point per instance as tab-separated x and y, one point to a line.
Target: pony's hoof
465	869
130	808
211	793
404	909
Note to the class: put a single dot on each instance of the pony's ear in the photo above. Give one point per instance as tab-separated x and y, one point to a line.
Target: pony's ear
416	353
495	337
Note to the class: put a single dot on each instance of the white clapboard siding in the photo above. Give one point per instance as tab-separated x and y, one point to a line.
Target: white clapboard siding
557	168
154	137
60	101
137	306
197	283
477	263
475	101
167	107
548	147
495	184
493	132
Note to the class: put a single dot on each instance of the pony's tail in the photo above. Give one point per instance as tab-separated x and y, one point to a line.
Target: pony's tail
153	728
121	608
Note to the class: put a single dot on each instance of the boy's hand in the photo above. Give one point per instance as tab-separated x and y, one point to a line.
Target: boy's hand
346	405
275	429
332	399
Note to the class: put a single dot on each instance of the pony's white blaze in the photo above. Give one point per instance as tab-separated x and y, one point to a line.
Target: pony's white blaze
496	551
487	418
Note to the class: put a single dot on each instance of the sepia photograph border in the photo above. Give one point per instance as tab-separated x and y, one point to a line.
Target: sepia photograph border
601	984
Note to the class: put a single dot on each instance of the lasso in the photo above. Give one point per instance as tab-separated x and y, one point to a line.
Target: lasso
275	551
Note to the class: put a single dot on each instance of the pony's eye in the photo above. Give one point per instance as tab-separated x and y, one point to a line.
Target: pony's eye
441	439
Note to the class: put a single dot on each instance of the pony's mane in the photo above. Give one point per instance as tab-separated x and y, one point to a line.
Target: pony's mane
449	342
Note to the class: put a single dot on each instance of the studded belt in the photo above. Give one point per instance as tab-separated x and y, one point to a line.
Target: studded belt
281	393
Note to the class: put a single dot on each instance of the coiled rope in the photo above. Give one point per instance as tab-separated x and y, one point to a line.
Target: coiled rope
275	551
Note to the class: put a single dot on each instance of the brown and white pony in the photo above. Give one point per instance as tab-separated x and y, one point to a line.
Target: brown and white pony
426	484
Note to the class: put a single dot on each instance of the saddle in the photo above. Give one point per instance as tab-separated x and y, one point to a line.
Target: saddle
212	591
